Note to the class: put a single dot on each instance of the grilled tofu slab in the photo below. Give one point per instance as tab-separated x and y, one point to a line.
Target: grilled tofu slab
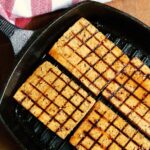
103	67
104	129
130	93
89	55
54	99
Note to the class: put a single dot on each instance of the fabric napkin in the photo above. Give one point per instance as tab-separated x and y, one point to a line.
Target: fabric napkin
20	12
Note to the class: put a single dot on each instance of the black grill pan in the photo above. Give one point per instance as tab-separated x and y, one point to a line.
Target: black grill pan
127	32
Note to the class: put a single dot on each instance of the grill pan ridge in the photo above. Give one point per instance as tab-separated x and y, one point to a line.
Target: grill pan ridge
126	32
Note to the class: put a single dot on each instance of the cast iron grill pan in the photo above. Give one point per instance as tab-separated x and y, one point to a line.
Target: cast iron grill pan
126	32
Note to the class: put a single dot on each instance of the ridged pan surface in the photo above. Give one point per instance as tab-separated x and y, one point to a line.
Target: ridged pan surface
129	34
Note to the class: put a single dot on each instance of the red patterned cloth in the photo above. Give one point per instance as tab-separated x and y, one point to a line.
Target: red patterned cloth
20	12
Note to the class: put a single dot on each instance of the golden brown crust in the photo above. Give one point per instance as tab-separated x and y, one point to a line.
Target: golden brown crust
88	48
99	65
53	98
131	94
53	52
103	129
102	65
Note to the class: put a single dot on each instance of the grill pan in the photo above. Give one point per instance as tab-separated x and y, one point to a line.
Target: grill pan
131	35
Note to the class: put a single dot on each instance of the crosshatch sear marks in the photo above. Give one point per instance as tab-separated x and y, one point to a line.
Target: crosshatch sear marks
103	68
104	129
54	99
89	55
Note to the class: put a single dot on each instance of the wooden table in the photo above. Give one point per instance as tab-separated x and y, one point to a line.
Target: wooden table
138	8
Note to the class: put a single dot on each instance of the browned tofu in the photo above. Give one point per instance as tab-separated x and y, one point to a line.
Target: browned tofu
129	92
54	99
147	100
89	55
103	129
146	84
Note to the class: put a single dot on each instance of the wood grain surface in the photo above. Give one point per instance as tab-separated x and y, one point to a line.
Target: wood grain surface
137	8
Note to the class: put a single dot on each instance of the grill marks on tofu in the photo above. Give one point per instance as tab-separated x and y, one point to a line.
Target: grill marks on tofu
102	66
89	55
103	129
60	104
54	99
130	93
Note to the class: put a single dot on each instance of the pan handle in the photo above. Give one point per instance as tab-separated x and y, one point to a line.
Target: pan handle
18	37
